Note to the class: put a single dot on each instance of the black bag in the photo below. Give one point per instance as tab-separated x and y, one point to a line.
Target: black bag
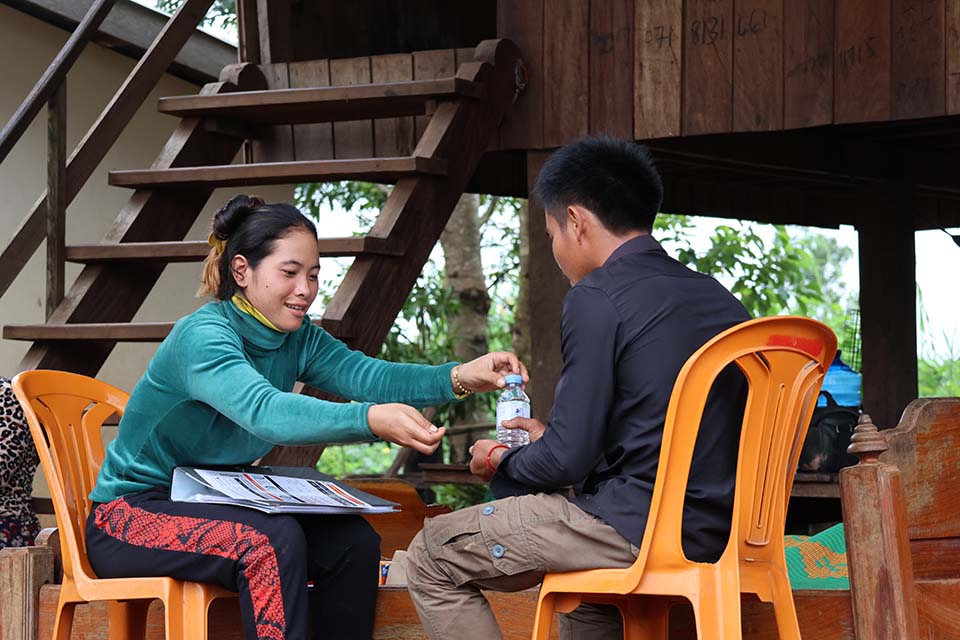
825	447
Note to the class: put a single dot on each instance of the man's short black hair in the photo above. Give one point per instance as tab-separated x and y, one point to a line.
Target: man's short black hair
615	179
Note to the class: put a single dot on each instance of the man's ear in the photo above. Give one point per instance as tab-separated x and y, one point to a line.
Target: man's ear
240	269
577	220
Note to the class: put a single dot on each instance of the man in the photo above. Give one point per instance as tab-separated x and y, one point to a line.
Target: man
630	321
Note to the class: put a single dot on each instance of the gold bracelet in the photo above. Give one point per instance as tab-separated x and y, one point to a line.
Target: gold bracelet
459	391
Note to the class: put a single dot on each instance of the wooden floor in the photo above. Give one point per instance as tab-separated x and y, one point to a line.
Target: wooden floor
824	615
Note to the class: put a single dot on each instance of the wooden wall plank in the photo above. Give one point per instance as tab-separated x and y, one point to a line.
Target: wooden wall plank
952	28
707	67
274	143
441	63
352	139
522	22
392	137
611	67
657	71
311	141
917	58
565	71
758	65
807	63
862	61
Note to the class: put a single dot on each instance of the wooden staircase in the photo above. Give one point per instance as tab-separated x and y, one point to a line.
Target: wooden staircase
465	112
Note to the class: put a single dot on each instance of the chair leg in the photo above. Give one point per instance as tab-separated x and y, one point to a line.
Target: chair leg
646	618
543	620
128	619
195	606
64	622
718	614
788	627
173	615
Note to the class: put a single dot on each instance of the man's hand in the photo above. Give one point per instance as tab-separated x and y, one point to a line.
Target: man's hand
404	425
486	372
531	425
478	463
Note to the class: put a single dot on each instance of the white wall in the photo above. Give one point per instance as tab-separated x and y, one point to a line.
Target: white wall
27	46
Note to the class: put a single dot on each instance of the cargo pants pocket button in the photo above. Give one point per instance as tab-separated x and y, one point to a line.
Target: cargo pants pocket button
498	551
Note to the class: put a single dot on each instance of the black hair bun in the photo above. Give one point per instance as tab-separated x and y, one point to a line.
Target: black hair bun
233	214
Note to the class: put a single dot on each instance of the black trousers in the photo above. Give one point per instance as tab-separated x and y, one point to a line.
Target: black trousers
267	559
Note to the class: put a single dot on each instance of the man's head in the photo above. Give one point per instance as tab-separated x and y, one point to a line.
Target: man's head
597	193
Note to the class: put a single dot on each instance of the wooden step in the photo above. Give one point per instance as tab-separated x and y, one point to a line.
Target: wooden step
107	331
324	104
112	331
196	251
233	175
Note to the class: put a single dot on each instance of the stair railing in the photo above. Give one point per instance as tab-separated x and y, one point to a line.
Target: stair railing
65	177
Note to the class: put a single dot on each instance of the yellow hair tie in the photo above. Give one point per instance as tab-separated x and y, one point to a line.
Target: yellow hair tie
218	243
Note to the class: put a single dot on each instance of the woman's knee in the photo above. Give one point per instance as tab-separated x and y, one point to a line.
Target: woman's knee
365	542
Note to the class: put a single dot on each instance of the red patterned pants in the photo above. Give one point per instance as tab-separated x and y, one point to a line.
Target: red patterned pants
267	559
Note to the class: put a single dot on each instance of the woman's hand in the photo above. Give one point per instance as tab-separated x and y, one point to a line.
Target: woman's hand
531	425
405	426
486	372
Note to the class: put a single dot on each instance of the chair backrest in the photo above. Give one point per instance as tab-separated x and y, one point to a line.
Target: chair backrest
66	412
784	360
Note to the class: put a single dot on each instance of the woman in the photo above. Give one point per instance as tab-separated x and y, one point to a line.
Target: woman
218	392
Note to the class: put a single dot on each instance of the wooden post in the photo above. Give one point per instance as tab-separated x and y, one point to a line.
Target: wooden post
878	542
547	287
274	25
23	570
248	32
888	305
56	195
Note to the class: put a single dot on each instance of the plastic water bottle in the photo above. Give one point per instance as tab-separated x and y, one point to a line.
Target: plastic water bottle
512	403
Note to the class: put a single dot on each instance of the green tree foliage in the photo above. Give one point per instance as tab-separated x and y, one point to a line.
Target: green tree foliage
223	12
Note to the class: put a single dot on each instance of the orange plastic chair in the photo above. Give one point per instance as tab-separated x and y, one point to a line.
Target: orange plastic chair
783	360
65	412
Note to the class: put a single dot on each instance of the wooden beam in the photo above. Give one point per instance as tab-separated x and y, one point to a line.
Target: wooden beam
56	217
458	131
888	304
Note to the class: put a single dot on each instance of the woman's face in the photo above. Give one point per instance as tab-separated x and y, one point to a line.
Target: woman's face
284	284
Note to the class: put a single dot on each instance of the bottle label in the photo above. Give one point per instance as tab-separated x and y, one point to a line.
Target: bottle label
513	409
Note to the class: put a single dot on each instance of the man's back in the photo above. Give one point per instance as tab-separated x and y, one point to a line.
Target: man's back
627	329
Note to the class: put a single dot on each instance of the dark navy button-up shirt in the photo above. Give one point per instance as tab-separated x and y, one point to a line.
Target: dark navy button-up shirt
626	331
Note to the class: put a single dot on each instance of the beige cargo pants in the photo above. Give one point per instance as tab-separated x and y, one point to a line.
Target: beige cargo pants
508	545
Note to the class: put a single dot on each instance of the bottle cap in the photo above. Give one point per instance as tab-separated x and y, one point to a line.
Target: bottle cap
513	378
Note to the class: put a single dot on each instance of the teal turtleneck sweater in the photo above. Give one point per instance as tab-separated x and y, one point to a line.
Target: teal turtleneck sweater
219	392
